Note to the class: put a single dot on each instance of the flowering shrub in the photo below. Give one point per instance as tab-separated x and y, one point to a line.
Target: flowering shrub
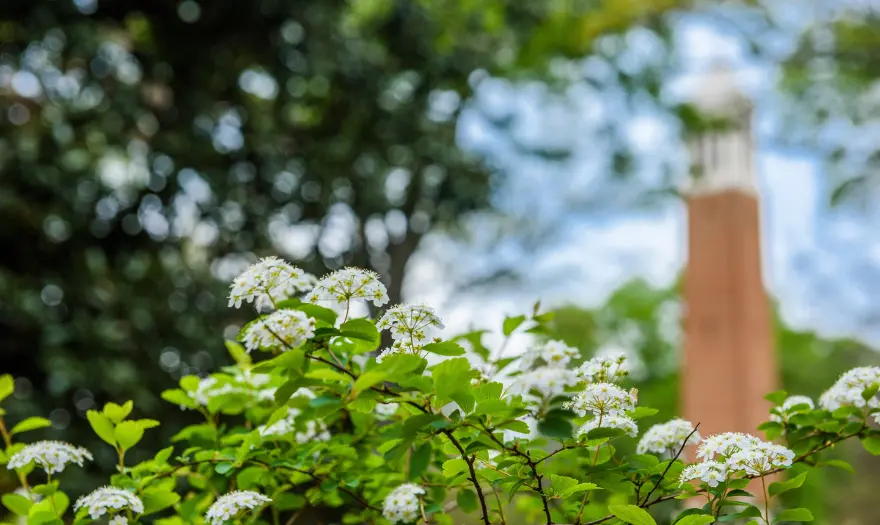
309	417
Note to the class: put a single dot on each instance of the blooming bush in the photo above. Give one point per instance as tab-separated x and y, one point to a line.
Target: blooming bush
309	417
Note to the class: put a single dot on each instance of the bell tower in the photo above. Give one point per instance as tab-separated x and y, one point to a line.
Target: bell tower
729	361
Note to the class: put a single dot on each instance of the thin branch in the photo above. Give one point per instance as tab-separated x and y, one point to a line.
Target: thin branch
470	463
674	458
532	465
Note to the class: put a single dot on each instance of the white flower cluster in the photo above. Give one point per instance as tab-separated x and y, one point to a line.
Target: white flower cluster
603	399
667	438
709	472
118	520
341	286
547	381
847	391
725	444
625	423
402	504
411	327
109	500
313	430
242	383
232	504
732	452
406	321
51	456
554	354
787	409
284	328
268	281
386	410
604	369
760	459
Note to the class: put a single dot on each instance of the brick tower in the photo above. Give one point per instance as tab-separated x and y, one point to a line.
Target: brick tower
729	362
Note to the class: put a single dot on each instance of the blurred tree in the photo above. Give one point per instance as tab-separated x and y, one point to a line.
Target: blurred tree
831	79
149	149
643	322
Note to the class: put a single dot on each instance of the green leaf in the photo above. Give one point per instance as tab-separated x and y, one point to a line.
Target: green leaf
178	397
557	424
238	352
872	444
17	503
367	338
47	489
7	386
696	519
794	515
838	463
632	514
128	433
412	425
518	426
512	323
224	467
777	398
117	413
367	380
31	423
163	455
288	501
642	412
784	486
452	377
158	499
447	348
318	312
102	426
146	423
419	461
467	500
563	486
871	391
41	517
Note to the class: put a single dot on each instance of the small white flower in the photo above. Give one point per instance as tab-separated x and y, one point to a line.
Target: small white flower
760	459
109	500
313	430
51	456
267	282
609	368
603	399
725	444
625	423
547	381
386	410
341	286
847	391
402	504
877	418
232	504
553	354
412	323
710	472
284	329
667	438
118	520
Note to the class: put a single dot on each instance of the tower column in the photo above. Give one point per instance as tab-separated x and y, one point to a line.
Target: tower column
729	362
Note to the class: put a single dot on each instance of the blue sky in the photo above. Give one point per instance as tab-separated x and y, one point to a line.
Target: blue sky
569	248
